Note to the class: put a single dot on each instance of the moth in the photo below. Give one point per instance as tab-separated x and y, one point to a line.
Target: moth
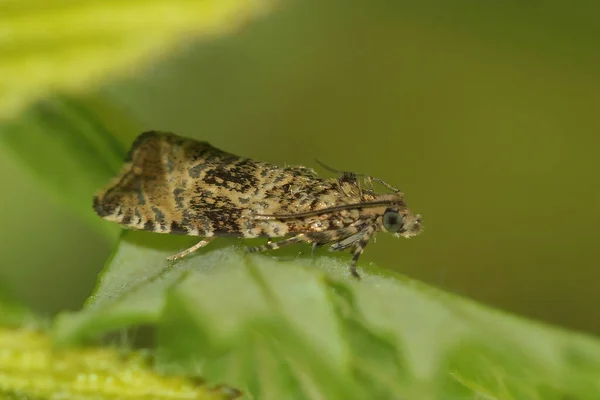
172	184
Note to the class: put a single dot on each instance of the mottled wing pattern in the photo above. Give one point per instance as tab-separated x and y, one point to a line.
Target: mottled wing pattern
171	184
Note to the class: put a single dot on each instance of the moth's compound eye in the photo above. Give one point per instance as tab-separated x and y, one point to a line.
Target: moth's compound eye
392	221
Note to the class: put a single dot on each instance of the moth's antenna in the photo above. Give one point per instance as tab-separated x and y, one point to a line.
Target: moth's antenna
330	169
346	173
387	185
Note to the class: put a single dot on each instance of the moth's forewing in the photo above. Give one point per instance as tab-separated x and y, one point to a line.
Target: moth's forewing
171	184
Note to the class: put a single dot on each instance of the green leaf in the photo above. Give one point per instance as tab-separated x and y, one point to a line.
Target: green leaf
72	45
70	150
32	368
299	327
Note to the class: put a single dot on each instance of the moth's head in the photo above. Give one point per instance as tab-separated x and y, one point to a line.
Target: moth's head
401	222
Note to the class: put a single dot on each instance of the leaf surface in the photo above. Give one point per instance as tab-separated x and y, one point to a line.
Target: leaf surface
301	328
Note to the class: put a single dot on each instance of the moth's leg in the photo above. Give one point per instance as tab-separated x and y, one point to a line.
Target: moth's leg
276	245
192	249
359	247
314	247
346	243
336	236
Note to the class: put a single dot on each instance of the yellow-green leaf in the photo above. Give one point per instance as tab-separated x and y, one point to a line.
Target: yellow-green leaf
30	368
52	45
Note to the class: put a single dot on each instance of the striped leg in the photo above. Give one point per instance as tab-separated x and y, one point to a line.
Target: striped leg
337	236
359	247
276	245
192	249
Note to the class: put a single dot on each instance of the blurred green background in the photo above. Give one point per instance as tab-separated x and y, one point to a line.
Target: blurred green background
486	114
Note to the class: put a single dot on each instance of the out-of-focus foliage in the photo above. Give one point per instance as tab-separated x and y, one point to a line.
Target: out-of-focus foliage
31	368
73	45
69	150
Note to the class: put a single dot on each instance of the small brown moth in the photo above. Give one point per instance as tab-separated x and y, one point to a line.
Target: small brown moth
171	184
